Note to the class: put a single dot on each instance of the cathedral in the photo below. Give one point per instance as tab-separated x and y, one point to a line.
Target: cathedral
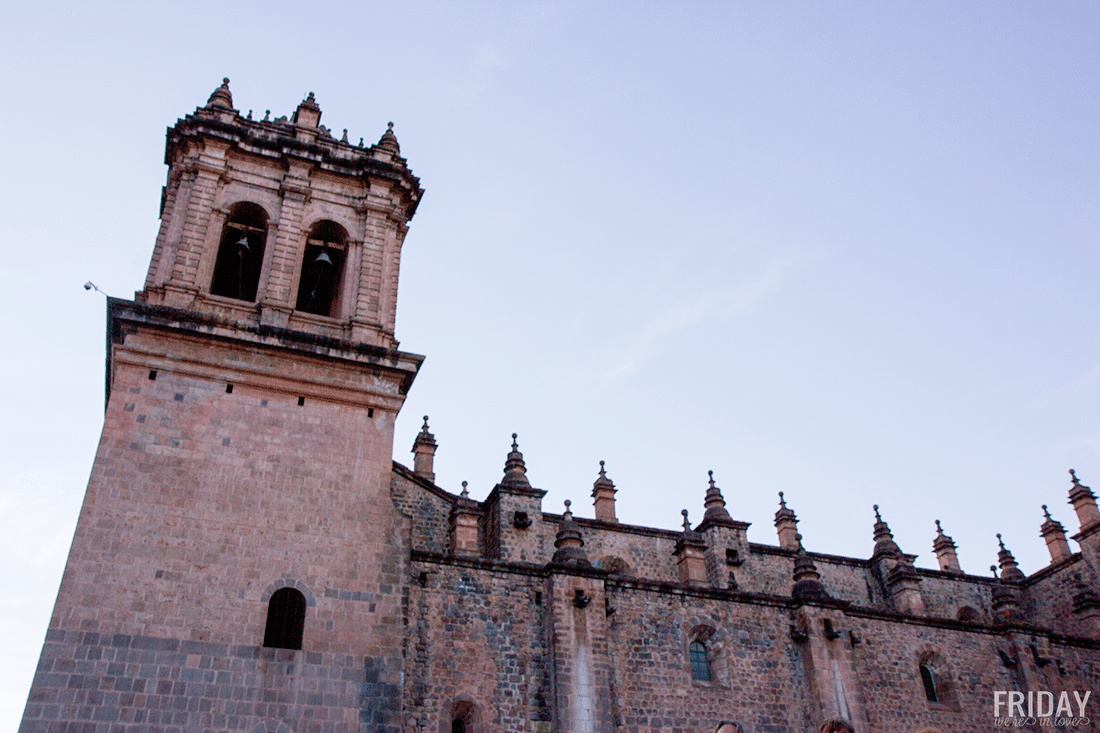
249	556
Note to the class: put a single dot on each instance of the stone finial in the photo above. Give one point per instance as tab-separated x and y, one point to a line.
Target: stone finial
902	579
884	539
515	470
425	436
690	555
267	116
714	505
1006	592
464	525
1084	503
569	543
784	510
308	114
1010	571
221	96
603	495
786	525
423	449
344	139
807	581
1054	534
388	141
945	547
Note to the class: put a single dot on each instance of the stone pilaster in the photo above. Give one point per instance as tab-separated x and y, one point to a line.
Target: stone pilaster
1086	609
278	298
182	286
830	669
581	666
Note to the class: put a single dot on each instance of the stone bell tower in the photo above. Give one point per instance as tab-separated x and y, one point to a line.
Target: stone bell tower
238	563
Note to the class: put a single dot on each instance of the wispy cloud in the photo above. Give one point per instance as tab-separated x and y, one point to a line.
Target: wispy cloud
718	305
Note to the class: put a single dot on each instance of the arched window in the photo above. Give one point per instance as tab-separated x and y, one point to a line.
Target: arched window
700	665
937	681
613	565
464	717
241	253
966	613
928	677
286	619
322	269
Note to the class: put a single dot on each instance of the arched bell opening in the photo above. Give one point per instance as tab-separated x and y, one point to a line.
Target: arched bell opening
241	252
319	286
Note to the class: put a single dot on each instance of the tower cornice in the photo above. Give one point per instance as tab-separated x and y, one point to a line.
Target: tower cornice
277	139
125	317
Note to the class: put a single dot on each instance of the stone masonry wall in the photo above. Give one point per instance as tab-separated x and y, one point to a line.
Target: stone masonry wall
120	682
477	636
758	679
201	503
431	512
944	595
1049	598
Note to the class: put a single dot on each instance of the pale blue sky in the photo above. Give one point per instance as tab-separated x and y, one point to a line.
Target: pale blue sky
843	250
